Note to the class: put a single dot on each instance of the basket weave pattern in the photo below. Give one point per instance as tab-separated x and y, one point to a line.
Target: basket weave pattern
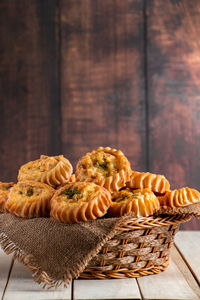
140	247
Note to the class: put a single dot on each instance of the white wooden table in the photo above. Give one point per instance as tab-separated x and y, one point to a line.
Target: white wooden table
181	280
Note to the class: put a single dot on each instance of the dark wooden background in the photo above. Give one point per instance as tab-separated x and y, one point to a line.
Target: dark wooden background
76	74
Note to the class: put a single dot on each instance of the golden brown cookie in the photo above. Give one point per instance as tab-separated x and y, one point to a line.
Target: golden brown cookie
179	197
29	199
80	201
53	170
4	190
141	203
106	167
155	182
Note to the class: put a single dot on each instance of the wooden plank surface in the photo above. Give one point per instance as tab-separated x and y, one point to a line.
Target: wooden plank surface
106	289
102	78
183	268
188	243
177	282
173	64
21	286
5	266
29	120
170	284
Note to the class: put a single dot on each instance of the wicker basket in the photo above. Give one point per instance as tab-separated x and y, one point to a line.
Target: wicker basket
140	247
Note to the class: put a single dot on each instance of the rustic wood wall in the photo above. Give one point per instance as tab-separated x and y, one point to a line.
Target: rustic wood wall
76	74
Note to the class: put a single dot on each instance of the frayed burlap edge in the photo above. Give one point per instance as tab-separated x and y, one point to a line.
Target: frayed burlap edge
39	275
191	209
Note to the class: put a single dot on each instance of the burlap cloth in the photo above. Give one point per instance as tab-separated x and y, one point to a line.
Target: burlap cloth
192	209
54	251
57	252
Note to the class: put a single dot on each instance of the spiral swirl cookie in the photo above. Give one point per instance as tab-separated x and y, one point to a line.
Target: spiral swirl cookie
141	203
180	197
4	191
80	201
30	199
53	170
155	182
106	167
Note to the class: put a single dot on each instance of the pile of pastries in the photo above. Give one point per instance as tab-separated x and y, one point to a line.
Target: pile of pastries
103	185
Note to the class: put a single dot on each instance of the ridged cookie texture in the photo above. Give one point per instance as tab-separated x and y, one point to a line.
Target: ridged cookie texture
52	170
155	182
141	203
80	201
180	197
30	199
106	167
4	191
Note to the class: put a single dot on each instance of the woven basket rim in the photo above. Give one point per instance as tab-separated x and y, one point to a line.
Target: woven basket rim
153	221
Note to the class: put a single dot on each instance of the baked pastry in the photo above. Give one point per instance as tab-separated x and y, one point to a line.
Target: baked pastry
53	170
141	203
155	182
29	199
106	167
80	201
72	178
180	197
4	191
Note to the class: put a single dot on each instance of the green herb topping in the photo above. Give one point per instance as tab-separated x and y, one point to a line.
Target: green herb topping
103	165
29	192
70	193
122	198
135	194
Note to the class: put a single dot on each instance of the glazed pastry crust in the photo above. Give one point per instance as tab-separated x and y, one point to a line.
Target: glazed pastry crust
4	191
141	203
72	178
30	199
180	197
155	182
106	167
52	170
80	201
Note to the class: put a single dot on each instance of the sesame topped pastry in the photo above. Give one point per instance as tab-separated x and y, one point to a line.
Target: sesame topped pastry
29	199
180	197
141	203
155	182
80	201
52	170
4	191
106	167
